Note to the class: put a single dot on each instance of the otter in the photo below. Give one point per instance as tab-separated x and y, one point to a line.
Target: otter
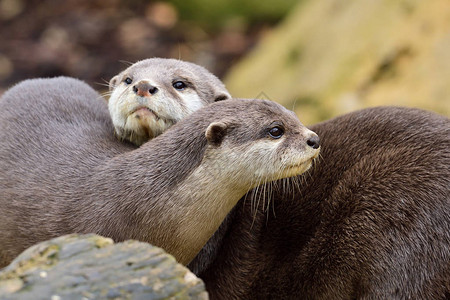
61	170
153	94
370	220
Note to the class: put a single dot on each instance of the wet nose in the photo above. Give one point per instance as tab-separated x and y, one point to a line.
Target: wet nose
143	88
314	141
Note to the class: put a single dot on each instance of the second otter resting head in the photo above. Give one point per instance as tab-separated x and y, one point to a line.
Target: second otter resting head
62	171
153	94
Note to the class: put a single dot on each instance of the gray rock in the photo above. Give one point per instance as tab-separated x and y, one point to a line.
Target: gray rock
93	267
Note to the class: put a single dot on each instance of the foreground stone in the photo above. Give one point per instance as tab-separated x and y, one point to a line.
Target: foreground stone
93	267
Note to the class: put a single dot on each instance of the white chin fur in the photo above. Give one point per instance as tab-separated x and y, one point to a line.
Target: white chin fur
147	124
137	130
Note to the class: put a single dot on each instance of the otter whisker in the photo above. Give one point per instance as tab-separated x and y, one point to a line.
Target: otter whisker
269	200
286	186
104	96
258	192
255	191
254	206
309	173
289	183
295	185
264	196
273	205
321	157
124	91
105	83
101	97
108	93
251	193
266	210
269	193
126	62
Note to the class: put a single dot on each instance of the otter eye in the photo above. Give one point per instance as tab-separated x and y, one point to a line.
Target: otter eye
179	85
128	80
276	132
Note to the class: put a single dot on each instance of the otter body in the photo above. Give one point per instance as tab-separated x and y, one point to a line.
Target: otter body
153	94
370	220
62	171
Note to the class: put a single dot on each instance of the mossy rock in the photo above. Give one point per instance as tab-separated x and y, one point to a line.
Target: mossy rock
93	267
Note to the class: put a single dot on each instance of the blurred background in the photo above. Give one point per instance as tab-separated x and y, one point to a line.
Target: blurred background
320	58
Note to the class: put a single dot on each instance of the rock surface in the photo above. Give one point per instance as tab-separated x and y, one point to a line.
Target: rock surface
330	57
93	267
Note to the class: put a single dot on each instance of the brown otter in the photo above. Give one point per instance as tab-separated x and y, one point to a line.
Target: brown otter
371	220
153	94
61	171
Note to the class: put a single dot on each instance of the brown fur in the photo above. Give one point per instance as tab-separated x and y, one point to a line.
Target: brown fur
371	220
62	171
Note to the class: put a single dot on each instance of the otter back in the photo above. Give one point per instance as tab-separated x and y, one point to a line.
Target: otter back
371	220
38	131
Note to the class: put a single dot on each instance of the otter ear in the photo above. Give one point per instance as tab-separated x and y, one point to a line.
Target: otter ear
113	82
215	133
222	95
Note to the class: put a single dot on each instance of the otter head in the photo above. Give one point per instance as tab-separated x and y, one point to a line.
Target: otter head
265	143
153	94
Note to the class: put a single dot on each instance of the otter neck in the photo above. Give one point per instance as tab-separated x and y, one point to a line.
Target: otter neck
204	207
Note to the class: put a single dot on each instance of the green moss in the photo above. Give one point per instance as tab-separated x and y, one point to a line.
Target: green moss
212	15
293	56
306	100
309	108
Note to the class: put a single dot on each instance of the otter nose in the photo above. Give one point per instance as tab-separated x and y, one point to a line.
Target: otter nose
143	88
314	141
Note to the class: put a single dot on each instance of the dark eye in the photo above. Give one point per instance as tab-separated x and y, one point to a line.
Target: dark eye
128	80
179	85
276	132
